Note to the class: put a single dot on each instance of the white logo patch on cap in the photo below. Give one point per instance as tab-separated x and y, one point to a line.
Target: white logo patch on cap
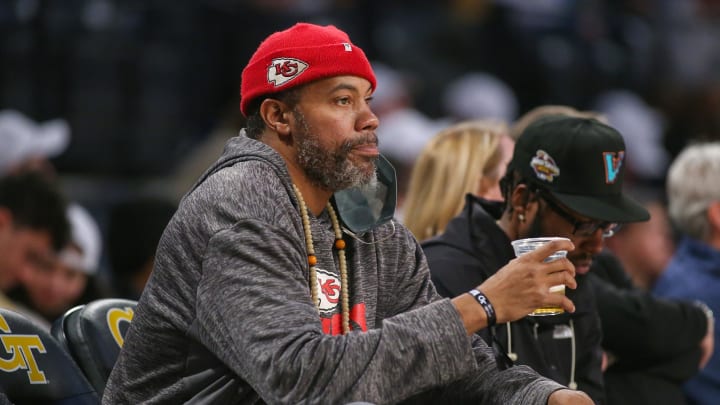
282	70
544	166
348	47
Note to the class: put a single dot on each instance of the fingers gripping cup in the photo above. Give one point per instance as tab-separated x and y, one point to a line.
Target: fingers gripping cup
522	246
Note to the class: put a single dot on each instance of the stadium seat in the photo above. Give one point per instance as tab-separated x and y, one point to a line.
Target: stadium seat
35	369
93	334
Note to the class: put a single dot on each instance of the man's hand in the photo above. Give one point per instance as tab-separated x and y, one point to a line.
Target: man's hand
707	344
520	287
569	397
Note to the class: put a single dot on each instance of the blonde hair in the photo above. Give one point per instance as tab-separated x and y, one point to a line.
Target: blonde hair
450	166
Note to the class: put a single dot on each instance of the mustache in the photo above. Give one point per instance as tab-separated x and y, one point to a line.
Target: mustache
581	256
369	139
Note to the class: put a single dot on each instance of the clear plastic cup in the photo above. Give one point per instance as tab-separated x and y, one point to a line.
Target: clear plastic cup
522	246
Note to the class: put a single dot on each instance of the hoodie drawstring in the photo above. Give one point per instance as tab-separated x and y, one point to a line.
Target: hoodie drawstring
572	384
510	353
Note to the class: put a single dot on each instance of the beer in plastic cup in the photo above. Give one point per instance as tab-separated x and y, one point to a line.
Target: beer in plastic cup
522	246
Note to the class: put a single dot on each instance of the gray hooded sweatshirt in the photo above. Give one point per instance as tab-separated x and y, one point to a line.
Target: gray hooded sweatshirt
227	318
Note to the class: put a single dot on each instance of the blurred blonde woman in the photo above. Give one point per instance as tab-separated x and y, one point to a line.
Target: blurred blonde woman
467	157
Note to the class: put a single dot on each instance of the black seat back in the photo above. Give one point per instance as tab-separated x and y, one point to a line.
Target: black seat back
94	334
35	369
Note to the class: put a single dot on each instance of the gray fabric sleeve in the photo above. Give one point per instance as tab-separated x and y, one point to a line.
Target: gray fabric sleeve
515	385
255	314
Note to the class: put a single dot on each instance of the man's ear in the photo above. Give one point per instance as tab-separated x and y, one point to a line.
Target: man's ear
275	113
520	197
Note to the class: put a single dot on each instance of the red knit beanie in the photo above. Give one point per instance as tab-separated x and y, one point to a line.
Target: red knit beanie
298	55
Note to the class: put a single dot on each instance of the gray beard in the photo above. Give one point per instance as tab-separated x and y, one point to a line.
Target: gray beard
329	169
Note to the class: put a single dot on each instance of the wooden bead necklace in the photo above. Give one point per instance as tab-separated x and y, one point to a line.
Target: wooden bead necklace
312	259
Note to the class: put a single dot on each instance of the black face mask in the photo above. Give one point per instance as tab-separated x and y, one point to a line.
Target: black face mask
363	208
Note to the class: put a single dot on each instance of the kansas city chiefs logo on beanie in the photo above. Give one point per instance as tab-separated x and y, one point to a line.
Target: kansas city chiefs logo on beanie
282	70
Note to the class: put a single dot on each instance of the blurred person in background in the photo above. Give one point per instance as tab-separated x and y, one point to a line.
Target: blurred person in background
133	234
694	272
27	146
645	248
467	157
70	278
479	95
33	227
405	130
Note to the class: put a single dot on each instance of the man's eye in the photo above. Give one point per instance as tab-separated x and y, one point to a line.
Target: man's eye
344	100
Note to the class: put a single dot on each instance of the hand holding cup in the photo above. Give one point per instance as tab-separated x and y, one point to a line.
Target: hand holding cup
523	246
523	285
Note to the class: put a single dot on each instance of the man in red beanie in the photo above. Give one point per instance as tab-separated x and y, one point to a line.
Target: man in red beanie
282	278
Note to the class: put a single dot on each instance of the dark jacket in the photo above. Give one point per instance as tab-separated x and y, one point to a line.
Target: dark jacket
564	347
653	343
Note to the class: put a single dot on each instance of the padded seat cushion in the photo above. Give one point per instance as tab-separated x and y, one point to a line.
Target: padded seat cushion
35	368
94	334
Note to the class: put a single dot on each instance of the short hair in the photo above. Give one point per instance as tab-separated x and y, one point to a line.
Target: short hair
449	167
255	124
509	183
692	185
36	203
518	127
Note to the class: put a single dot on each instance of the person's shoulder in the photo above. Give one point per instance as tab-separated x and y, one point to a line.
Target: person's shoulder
391	232
389	239
675	282
250	179
244	190
245	166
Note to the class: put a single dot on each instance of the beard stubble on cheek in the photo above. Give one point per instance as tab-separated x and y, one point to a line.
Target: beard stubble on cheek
537	230
331	169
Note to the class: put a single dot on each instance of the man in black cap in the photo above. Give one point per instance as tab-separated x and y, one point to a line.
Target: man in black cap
565	179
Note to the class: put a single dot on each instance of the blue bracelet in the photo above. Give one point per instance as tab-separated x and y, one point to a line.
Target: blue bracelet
483	300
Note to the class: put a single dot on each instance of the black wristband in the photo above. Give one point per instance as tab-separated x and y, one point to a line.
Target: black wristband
483	300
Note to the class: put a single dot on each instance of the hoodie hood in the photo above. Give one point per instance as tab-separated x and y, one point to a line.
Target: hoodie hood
241	149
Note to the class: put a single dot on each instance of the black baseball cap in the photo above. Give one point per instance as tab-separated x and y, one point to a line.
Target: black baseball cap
581	163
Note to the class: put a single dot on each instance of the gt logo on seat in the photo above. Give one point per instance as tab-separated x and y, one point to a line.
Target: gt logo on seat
114	317
20	346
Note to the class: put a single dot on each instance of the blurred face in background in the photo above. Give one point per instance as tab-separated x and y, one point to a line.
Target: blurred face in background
22	250
54	288
645	248
489	187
